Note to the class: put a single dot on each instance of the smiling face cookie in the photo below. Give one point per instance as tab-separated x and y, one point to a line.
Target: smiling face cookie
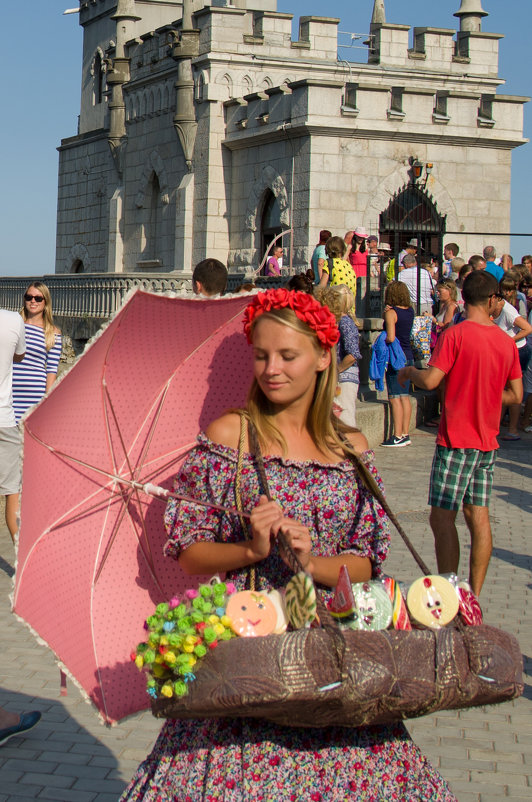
432	601
373	608
252	614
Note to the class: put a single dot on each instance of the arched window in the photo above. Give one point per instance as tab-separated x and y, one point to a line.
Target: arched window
77	266
99	79
270	221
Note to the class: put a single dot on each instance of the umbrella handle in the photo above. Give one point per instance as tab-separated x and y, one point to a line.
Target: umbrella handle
161	492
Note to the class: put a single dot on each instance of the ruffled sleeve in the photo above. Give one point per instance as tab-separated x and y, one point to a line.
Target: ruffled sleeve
369	535
207	476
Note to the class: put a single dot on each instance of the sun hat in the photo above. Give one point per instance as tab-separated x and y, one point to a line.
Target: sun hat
360	231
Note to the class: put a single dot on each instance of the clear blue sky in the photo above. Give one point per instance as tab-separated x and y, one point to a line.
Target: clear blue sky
40	67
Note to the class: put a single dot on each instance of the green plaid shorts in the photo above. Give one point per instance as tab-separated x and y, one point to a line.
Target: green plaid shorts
461	476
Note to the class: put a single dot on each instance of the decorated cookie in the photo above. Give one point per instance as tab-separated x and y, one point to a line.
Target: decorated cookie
432	601
342	605
277	599
251	614
373	608
468	605
300	600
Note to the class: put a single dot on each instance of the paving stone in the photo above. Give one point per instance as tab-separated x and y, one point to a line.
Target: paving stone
66	795
485	753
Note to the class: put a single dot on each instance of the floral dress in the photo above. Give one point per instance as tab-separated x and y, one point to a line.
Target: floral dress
250	760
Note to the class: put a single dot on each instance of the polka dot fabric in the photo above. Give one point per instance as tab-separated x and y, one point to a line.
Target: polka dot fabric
131	406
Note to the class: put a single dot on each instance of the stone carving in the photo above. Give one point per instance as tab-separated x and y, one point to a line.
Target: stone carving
78	253
154	165
395	180
269	179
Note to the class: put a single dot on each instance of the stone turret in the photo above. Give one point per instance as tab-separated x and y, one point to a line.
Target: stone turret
470	14
117	76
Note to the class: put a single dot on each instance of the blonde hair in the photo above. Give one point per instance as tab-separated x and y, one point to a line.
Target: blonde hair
48	318
340	300
324	427
449	285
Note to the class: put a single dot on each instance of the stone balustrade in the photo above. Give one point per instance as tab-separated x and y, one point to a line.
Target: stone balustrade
94	295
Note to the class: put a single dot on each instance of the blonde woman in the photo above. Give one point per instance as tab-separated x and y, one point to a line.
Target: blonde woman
448	296
323	509
34	376
341	302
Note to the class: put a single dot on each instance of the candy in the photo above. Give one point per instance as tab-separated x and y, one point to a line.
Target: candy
278	602
300	600
432	601
373	608
343	603
252	614
400	619
468	605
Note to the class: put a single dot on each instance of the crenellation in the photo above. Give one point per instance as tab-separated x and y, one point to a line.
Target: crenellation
263	111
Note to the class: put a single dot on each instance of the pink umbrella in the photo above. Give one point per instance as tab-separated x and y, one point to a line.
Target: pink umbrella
90	563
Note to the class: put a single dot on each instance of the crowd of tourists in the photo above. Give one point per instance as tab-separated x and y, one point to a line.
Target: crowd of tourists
302	407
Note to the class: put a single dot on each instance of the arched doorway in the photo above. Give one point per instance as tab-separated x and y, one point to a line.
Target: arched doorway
270	221
412	214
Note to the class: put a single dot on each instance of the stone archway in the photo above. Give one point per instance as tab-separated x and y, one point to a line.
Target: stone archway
268	180
387	188
78	260
153	165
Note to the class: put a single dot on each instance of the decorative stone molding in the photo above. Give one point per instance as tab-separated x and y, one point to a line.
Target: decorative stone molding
103	61
395	180
78	253
269	179
154	165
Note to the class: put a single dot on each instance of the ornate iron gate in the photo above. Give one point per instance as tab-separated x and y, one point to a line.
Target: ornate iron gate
413	214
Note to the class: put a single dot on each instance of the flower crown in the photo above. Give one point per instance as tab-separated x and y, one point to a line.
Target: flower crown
308	309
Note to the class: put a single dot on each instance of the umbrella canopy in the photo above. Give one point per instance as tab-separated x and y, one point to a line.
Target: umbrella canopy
90	553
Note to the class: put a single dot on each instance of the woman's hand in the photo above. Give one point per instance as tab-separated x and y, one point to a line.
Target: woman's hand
264	517
298	537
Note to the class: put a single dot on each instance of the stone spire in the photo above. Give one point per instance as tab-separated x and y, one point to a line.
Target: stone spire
379	14
470	14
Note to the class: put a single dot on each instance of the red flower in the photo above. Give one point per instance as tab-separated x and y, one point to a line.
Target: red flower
316	796
230	784
306	307
275	760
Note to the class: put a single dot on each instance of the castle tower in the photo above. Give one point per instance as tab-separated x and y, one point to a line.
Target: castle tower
470	14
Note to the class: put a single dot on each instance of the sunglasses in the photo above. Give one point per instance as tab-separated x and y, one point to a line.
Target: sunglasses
36	298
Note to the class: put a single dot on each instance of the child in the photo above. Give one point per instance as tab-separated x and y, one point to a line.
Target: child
340	301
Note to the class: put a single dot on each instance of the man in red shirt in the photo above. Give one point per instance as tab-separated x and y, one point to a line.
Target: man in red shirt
481	370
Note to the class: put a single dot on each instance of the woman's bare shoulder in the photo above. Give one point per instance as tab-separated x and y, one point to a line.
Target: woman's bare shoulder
225	430
358	441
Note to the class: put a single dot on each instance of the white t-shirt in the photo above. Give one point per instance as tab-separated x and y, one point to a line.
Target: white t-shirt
12	341
409	277
505	321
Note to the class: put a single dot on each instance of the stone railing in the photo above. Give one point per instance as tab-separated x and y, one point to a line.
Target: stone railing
95	295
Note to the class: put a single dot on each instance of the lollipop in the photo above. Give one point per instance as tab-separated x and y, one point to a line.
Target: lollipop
468	605
432	601
300	600
278	602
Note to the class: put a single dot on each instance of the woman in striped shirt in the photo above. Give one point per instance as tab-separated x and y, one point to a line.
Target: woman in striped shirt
34	376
